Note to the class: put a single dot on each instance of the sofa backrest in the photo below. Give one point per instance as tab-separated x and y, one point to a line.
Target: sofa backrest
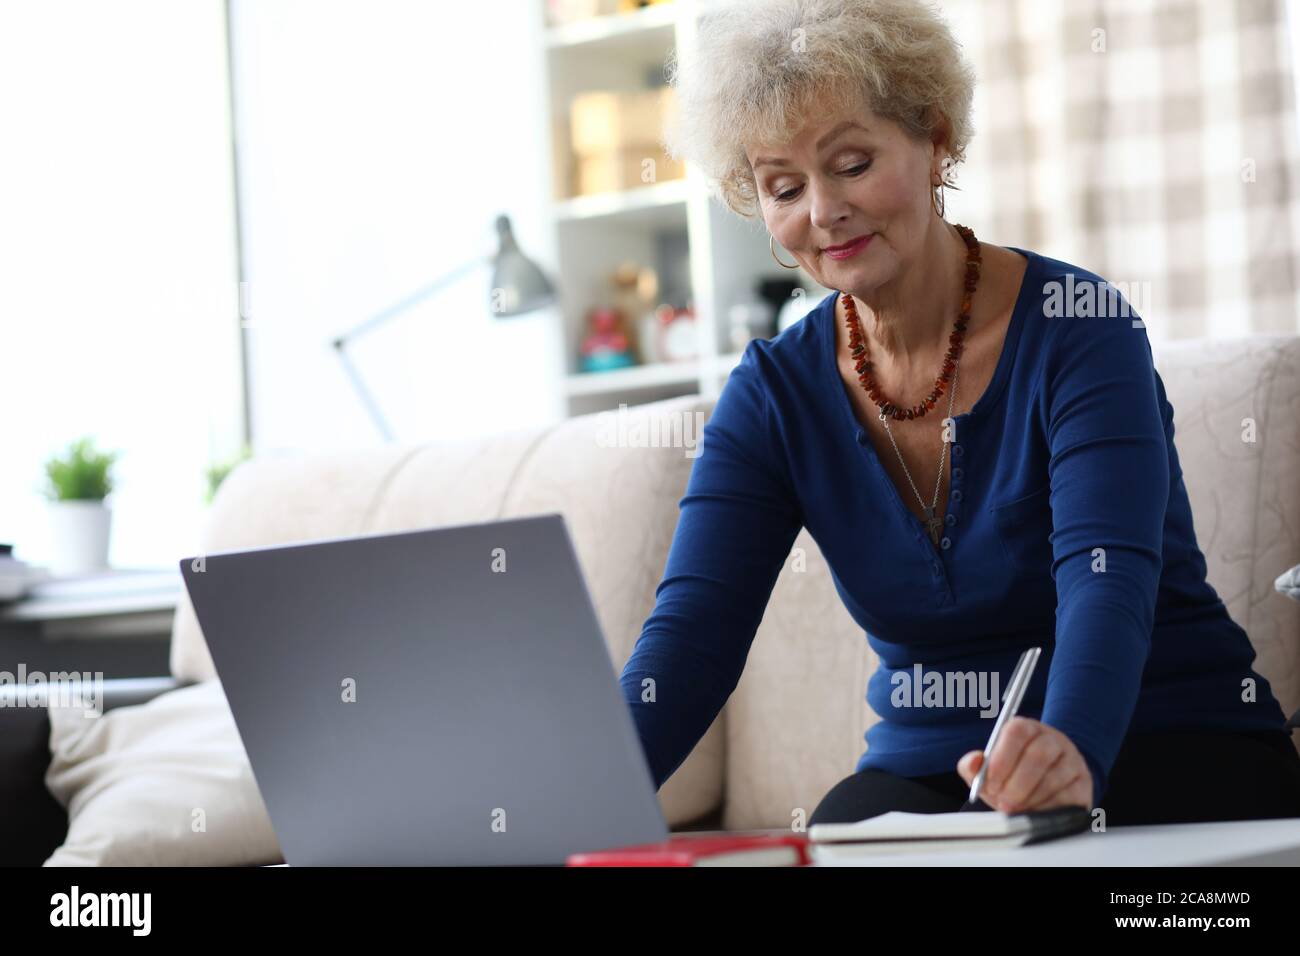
795	725
1237	432
619	501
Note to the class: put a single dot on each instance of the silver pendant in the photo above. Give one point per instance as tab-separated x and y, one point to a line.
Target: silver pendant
933	525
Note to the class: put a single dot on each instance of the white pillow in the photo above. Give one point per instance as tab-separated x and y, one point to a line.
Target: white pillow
1288	583
165	783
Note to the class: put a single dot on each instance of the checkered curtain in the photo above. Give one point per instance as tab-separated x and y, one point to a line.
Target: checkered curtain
1153	142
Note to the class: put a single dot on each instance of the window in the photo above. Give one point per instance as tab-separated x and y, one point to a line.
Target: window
117	261
377	144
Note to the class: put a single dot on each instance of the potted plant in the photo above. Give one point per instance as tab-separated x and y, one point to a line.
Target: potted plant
77	482
216	473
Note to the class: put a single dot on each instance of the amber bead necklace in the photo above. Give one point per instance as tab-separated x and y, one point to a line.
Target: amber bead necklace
946	380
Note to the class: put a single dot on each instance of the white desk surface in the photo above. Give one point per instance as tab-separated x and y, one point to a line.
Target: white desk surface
1242	843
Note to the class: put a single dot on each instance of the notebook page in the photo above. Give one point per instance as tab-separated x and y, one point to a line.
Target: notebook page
898	825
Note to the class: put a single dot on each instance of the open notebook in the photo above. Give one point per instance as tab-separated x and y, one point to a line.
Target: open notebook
899	832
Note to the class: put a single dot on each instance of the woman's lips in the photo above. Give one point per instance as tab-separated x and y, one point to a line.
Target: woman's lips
849	249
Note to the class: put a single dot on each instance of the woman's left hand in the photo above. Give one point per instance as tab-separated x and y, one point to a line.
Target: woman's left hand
1033	767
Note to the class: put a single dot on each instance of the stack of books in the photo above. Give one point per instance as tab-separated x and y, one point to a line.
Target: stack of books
116	602
17	577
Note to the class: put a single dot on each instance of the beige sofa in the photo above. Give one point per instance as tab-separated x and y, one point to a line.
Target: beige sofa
795	724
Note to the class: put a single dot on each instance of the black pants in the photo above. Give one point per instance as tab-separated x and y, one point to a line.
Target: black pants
1186	777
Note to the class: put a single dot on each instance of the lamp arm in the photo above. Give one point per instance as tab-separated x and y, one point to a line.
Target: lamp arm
340	343
413	299
366	397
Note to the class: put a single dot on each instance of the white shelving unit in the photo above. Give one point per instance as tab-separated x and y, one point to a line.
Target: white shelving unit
726	256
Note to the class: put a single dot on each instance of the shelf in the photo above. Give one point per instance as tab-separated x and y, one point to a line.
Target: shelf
708	256
618	30
661	204
637	376
650	376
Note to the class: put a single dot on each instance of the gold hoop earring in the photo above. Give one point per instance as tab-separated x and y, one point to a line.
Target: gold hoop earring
771	245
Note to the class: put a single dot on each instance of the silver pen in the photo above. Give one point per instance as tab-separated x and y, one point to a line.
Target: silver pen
1015	693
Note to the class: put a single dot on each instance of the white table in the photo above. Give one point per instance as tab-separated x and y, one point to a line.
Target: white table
1244	843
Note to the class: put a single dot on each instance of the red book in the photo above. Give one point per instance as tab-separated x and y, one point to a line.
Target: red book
686	849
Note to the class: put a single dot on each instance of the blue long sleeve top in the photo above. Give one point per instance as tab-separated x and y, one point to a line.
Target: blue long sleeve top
1067	526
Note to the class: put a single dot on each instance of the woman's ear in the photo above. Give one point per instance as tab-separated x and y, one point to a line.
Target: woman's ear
940	136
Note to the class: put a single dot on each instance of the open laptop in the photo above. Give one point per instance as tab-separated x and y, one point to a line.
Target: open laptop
441	696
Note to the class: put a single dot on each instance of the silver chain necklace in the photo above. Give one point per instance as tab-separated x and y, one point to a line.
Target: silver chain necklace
933	522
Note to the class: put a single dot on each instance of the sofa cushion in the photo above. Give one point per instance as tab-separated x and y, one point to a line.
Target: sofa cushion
165	783
797	718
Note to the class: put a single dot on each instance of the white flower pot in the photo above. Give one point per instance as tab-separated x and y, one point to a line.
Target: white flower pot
79	530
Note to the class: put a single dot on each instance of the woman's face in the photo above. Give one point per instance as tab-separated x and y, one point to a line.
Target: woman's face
849	176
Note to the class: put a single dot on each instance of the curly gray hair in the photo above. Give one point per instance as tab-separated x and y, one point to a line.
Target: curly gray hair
760	66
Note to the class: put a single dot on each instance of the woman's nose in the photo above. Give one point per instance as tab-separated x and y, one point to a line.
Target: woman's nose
827	206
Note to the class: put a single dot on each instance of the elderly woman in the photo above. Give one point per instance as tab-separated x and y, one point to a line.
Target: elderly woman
981	475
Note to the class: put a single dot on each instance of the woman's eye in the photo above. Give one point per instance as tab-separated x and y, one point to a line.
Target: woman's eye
791	194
